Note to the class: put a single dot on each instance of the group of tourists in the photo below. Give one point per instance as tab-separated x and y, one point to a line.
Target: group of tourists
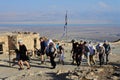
90	51
48	48
80	50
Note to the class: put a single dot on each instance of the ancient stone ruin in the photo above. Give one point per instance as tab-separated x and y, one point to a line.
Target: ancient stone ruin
9	41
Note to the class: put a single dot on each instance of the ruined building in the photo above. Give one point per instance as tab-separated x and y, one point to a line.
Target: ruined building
9	41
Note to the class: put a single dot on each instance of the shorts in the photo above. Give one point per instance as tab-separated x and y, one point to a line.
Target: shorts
23	57
61	56
42	52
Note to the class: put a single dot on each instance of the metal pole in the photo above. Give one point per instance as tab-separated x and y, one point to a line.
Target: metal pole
9	59
66	25
9	52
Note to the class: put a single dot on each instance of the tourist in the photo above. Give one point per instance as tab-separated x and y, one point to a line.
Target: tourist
73	51
79	53
61	54
23	55
107	50
57	46
101	52
42	46
86	52
52	50
92	50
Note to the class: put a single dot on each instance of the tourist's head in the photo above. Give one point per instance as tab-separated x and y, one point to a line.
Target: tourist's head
57	43
41	38
20	42
90	42
106	42
49	41
100	45
81	41
73	41
51	44
85	43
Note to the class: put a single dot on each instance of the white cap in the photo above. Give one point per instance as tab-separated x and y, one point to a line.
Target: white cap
49	41
100	44
20	41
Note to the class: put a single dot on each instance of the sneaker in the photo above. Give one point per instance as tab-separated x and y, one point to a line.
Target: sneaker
53	67
20	68
42	62
28	68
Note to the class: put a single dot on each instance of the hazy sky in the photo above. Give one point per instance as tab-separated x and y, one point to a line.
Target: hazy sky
53	11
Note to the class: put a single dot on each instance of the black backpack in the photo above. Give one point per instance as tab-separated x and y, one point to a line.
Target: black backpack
51	49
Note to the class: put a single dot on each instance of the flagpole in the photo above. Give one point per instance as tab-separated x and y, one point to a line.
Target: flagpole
66	25
65	34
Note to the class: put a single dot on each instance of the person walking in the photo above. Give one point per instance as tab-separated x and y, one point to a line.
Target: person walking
17	58
42	46
101	53
52	50
86	52
23	56
61	54
79	53
92	50
74	51
107	50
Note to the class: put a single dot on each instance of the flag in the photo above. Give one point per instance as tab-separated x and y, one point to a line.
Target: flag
65	26
66	19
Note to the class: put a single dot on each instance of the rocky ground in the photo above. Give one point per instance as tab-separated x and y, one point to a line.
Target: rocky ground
63	72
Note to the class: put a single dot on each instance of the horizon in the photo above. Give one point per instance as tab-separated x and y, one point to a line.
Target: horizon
59	25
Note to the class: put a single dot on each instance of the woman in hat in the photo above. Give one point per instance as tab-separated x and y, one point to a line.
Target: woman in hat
23	55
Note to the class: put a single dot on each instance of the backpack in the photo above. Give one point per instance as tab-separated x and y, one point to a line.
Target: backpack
51	49
47	51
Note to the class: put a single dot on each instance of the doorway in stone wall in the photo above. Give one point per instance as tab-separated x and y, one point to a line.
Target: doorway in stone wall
35	42
1	48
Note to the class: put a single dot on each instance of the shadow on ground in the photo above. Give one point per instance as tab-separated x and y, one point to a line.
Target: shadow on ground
58	77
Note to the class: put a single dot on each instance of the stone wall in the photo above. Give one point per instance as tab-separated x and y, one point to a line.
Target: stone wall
4	43
28	40
10	41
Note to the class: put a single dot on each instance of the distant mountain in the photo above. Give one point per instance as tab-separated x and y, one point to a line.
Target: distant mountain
117	40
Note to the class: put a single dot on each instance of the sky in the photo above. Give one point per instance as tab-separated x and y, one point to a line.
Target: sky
53	11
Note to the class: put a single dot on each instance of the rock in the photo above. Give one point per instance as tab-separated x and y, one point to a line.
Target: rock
31	74
84	78
40	73
67	77
96	78
90	75
116	67
59	72
117	74
115	78
100	70
73	77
